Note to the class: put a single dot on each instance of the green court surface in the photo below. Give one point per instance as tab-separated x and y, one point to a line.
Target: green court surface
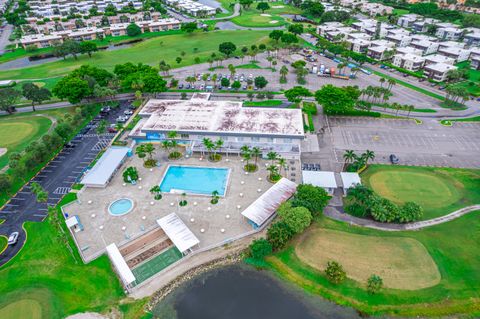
156	264
439	191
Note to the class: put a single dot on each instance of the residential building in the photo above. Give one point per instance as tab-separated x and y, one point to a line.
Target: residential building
451	44
279	130
437	58
364	24
409	50
422	25
472	39
438	71
50	8
328	27
374	9
359	36
449	33
458	54
427	47
475	59
400	40
359	45
192	8
410	62
407	20
379	52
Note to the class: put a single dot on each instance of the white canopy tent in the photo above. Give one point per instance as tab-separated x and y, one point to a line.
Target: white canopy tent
325	180
349	180
266	205
120	265
102	172
181	236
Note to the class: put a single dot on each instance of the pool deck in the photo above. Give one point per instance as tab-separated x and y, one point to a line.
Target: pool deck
212	218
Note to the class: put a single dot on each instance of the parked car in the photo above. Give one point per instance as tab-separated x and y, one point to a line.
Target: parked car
112	128
12	239
394	159
69	145
188	86
105	109
128	112
180	86
122	119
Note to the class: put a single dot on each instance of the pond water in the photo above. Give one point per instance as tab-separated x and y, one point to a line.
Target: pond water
239	292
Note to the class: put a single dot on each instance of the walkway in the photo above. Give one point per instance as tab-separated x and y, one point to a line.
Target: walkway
333	212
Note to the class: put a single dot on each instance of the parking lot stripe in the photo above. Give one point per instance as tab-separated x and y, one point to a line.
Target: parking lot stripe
39	215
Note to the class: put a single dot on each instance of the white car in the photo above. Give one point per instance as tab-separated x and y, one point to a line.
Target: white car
128	112
122	119
12	239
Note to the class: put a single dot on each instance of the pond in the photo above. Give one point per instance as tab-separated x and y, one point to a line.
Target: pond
239	292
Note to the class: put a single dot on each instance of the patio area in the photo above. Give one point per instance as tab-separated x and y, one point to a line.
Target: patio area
211	224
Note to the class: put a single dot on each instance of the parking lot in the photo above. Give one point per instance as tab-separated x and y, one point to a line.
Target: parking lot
56	178
428	144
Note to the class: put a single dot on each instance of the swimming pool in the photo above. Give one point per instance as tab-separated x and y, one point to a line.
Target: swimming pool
196	180
120	207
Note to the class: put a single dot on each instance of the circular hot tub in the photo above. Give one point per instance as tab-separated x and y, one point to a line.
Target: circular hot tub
120	207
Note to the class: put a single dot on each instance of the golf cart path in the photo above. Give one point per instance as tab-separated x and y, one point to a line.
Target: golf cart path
334	213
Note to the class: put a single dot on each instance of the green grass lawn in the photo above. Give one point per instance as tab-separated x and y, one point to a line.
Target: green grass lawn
453	246
439	191
44	278
470	119
3	242
265	103
254	18
168	47
473	83
18	132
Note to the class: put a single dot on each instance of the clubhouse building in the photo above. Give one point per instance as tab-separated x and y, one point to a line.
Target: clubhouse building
278	130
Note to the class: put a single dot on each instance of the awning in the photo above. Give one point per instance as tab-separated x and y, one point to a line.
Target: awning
349	180
320	179
267	204
103	170
181	236
120	264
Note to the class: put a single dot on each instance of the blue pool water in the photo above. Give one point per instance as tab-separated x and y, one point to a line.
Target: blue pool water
120	207
198	180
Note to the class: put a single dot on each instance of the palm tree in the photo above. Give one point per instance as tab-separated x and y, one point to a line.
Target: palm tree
218	145
232	70
149	149
382	80
391	84
172	135
247	156
208	144
273	169
283	164
368	155
410	108
205	78
256	152
349	156
166	145
214	79
283	73
272	156
140	151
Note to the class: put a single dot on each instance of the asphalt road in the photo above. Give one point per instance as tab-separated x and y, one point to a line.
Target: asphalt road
57	179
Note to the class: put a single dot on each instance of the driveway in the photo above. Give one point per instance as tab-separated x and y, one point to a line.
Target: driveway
57	179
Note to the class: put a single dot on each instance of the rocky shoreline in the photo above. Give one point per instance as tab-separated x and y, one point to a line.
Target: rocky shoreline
166	290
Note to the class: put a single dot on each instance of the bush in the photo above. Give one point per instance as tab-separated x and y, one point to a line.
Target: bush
297	218
130	175
260	248
133	30
150	163
174	155
410	212
335	273
374	284
278	234
250	167
315	199
355	209
310	108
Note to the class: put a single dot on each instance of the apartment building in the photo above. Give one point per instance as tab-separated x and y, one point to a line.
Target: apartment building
458	54
407	20
472	39
92	33
438	71
364	24
409	50
378	52
63	8
475	62
359	45
328	27
422	25
359	36
437	58
449	33
427	47
400	40
411	62
374	9
192	8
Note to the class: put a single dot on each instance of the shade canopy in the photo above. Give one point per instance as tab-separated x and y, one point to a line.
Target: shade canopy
103	170
181	236
320	179
349	180
120	264
267	204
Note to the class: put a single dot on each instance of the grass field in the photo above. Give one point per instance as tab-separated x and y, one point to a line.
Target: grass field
453	246
265	103
472	85
470	119
439	191
3	243
17	132
403	263
44	278
254	18
152	51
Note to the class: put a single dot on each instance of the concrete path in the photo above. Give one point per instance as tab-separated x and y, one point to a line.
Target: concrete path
334	212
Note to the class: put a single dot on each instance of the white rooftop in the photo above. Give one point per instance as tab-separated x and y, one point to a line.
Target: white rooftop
181	236
350	179
105	166
320	179
267	204
201	115
120	265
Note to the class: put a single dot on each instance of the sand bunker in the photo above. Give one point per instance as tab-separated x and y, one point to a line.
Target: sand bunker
273	21
265	15
278	7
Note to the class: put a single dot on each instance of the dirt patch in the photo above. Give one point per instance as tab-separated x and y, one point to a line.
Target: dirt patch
3	151
403	263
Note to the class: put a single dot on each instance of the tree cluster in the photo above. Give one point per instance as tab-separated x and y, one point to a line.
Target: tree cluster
363	202
337	100
141	77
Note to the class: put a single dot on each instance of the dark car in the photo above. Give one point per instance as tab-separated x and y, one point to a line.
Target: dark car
394	159
69	145
180	86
